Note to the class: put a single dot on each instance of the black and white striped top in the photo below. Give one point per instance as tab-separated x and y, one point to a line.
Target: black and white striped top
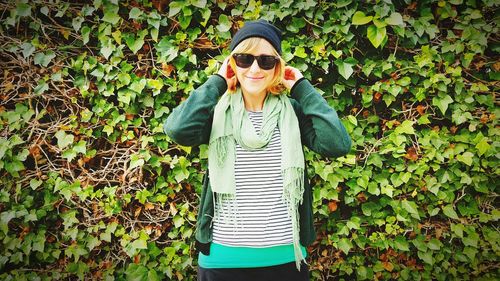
262	218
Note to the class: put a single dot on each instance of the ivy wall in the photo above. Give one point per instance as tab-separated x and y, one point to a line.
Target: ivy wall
92	188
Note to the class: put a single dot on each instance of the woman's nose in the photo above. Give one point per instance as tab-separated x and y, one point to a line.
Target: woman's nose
255	66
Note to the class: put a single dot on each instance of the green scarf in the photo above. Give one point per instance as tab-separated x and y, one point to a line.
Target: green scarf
232	125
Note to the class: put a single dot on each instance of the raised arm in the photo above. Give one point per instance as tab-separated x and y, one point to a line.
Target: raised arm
320	127
190	123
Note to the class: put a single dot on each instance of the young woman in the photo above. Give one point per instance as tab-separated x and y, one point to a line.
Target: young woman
255	217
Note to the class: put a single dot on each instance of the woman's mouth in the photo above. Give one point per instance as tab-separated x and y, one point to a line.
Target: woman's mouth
254	78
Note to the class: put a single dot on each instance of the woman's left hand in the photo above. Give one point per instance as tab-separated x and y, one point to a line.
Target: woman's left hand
292	74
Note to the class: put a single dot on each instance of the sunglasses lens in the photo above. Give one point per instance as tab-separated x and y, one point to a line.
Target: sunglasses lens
266	62
243	60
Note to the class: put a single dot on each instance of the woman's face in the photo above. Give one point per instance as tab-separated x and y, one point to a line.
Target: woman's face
254	80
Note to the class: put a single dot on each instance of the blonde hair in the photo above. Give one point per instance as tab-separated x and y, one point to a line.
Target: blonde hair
249	45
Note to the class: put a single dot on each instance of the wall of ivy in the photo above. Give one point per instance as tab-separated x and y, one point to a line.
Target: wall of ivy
92	188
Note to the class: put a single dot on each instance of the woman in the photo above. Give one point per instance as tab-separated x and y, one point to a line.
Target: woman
255	217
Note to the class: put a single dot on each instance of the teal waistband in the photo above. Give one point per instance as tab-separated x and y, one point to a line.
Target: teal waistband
222	256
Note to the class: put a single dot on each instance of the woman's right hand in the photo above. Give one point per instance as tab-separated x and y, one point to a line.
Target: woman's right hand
228	73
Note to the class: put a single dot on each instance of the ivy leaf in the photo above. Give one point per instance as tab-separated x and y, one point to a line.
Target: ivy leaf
411	208
442	101
300	52
359	18
44	10
111	17
175	8
136	161
85	34
34	183
450	212
483	146
44	59
405	128
199	3
41	87
135	13
107	47
345	245
136	272
224	23
401	243
394	19
466	158
77	23
23	10
426	257
27	49
135	43
63	139
344	68
376	35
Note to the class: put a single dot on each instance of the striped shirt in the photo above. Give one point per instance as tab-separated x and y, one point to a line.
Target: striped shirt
262	218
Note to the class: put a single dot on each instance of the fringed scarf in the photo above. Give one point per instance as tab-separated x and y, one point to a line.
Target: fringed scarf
232	125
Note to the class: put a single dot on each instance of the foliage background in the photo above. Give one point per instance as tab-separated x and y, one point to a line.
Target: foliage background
92	188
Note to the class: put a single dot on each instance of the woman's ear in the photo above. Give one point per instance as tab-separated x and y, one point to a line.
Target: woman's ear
230	71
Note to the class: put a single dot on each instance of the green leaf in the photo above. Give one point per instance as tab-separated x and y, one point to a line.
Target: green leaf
466	158
77	23
344	68
434	244
34	183
426	257
175	8
136	272
401	243
27	49
199	3
135	13
178	221
85	34
136	160
44	59
135	43
442	101
41	87
394	19
23	10
410	207
359	18
483	146
300	52
449	211
63	139
376	35
405	128
111	17
224	23
345	245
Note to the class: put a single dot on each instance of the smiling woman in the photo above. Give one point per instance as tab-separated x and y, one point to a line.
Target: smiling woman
255	216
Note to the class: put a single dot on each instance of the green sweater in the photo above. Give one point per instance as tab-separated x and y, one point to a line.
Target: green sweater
321	130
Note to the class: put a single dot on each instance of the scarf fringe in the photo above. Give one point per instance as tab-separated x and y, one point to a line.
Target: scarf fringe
229	215
221	145
293	190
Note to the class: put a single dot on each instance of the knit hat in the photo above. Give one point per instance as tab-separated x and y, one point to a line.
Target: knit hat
259	28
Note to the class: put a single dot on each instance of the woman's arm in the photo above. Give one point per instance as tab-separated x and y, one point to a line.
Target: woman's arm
320	127
190	123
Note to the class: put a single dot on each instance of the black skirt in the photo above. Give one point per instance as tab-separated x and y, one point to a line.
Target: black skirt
282	272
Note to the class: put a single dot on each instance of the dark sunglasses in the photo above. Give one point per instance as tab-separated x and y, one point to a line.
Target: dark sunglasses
264	61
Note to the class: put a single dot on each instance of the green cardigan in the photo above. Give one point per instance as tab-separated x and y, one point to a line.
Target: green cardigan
321	130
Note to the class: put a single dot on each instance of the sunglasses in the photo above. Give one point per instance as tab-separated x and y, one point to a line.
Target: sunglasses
265	62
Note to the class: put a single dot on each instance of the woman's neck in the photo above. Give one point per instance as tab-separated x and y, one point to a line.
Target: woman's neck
254	102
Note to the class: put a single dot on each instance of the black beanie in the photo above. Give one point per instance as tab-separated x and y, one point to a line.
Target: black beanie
259	28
